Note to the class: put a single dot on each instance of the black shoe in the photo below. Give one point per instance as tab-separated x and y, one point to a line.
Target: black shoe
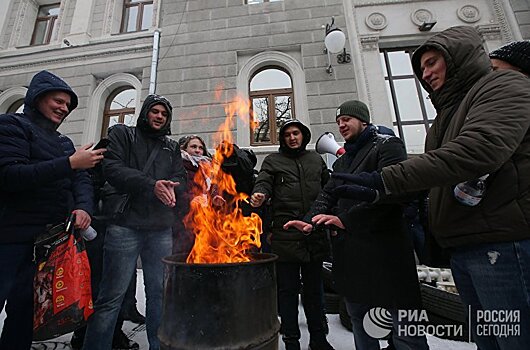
76	343
321	344
121	342
134	316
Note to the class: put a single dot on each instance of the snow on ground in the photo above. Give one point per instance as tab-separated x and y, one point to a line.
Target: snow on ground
339	336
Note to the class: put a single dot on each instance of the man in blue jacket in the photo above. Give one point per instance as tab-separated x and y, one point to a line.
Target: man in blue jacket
42	180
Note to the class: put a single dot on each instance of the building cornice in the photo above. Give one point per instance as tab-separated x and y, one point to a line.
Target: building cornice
111	54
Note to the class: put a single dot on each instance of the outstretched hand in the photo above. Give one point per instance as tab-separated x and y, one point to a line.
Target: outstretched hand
299	225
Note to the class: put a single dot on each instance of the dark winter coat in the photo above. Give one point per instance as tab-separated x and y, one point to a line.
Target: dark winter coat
481	127
373	259
293	181
126	155
37	185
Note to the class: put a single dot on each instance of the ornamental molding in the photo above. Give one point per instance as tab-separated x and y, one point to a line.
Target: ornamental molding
362	3
19	21
420	16
37	62
468	14
369	42
490	31
506	32
376	21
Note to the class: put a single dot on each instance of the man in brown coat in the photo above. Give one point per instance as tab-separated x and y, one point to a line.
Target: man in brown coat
481	129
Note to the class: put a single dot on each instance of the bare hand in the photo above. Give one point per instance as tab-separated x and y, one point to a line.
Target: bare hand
299	225
82	219
257	199
218	201
84	158
325	219
165	191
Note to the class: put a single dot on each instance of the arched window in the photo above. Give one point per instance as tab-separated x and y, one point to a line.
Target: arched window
271	97
16	107
119	108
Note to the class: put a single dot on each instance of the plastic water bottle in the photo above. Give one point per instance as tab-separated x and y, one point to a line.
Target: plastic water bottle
471	192
89	234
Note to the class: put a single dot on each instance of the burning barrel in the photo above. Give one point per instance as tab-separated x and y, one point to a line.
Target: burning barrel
220	306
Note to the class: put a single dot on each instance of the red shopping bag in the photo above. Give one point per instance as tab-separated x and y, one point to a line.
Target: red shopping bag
62	292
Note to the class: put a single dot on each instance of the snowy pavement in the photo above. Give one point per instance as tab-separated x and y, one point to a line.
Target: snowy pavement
339	337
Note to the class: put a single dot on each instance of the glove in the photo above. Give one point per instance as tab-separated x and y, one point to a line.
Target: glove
356	192
371	180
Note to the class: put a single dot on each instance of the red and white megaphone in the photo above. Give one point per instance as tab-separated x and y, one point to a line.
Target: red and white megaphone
326	144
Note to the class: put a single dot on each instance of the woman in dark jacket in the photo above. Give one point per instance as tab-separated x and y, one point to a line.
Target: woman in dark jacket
193	150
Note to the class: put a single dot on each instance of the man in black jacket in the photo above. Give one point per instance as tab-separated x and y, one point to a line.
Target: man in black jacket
42	180
292	178
145	164
373	259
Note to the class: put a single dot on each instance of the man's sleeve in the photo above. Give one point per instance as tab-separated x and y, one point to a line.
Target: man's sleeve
495	125
17	173
265	179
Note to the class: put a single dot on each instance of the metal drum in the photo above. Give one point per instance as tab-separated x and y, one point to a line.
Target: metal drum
220	306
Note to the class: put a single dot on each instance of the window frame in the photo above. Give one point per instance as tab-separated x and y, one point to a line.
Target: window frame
121	112
390	78
270	94
140	4
50	27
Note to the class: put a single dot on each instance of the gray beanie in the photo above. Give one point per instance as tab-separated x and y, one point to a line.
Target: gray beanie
354	108
516	53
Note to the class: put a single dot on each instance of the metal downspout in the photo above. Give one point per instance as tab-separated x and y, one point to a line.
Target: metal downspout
154	61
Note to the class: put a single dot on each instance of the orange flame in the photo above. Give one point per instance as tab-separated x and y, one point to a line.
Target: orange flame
222	233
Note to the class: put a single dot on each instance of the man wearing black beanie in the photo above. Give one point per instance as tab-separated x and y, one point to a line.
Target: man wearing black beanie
514	56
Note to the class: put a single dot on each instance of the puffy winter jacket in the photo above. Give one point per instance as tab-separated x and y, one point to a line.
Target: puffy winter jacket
37	185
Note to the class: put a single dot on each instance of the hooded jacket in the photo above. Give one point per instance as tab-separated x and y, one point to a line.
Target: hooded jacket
126	155
37	185
292	178
481	128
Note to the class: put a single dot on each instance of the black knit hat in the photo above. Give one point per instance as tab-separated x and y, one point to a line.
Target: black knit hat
516	53
354	108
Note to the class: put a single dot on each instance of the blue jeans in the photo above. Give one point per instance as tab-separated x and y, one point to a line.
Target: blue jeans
17	271
365	342
121	250
495	276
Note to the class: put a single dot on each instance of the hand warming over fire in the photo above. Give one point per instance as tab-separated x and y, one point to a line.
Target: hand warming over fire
328	220
257	199
299	225
165	191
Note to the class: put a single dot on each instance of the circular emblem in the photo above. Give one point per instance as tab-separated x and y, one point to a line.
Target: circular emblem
377	323
468	14
376	21
59	284
421	16
59	272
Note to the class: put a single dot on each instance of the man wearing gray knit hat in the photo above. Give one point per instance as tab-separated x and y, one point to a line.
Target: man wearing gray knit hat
514	56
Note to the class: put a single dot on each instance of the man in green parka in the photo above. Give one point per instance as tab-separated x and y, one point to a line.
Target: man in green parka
292	179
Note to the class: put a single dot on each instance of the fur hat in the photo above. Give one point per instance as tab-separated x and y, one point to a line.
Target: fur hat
354	108
516	53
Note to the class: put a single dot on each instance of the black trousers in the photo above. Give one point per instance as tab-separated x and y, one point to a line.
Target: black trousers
291	277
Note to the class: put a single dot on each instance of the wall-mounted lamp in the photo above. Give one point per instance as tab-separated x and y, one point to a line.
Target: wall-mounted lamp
334	41
426	26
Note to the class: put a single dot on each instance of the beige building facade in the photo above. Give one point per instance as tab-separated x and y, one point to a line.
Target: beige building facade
203	54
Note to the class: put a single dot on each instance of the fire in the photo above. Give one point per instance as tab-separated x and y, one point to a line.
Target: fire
222	233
